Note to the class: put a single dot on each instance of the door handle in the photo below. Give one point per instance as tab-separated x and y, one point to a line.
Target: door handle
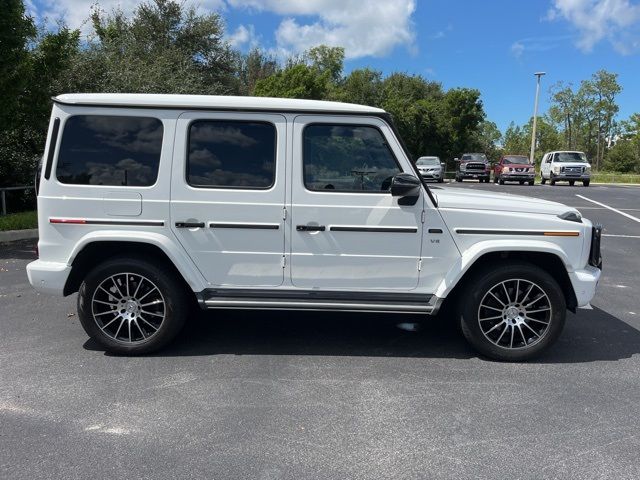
189	224
310	228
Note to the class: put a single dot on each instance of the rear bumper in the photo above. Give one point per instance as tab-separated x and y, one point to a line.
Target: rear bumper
48	277
584	284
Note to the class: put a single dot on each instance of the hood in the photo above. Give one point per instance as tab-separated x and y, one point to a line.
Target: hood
517	165
571	164
449	197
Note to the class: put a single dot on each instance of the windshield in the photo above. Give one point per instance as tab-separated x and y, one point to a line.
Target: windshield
564	157
515	160
476	157
428	161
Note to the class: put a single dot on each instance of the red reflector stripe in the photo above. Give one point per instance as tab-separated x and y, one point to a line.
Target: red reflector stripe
78	221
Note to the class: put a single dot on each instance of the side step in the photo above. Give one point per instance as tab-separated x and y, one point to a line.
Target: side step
318	300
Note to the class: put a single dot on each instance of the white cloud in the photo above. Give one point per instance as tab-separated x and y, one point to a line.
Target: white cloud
243	36
617	21
76	12
517	49
363	28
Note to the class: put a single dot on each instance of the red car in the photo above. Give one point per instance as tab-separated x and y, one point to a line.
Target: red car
514	168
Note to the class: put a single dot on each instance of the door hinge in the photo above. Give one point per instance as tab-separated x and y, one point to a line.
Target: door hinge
423	215
283	261
284	213
420	265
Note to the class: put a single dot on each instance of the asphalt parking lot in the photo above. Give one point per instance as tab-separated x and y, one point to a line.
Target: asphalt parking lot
310	395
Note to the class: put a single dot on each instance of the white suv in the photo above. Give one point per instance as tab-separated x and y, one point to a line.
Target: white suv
150	202
565	166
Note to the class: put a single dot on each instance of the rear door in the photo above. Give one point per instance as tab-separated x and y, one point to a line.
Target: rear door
228	193
348	232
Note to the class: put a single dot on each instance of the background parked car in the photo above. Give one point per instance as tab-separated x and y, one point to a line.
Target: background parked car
568	166
431	168
473	165
514	168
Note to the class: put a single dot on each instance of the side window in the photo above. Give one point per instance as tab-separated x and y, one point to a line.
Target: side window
231	154
110	150
347	158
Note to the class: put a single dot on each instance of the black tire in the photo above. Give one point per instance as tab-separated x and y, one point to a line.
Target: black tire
543	180
174	305
552	180
441	180
501	181
495	179
477	291
521	182
532	182
458	179
586	183
571	183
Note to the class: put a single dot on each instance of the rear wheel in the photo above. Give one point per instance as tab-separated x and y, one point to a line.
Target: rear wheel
513	312
458	179
131	306
501	181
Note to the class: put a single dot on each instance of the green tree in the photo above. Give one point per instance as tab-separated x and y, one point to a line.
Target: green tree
362	86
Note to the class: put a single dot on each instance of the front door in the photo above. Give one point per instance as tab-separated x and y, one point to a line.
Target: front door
228	194
347	231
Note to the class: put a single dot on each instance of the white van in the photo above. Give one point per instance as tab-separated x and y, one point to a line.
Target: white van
148	203
567	166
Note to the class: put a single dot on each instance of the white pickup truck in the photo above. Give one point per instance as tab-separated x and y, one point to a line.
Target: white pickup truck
150	203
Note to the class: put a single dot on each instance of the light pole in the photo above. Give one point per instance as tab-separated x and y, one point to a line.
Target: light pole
535	116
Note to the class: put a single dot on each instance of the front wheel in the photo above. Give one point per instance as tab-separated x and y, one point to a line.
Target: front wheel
586	183
552	180
501	181
513	312
132	306
571	183
542	180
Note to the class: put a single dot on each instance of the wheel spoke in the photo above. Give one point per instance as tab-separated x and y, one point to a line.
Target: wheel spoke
517	291
116	285
111	294
104	313
140	329
506	327
119	327
135	294
155	302
152	326
129	325
490	318
494	296
492	308
106	303
535	301
145	295
151	313
535	320
109	323
493	328
512	332
522	335
506	292
528	293
539	310
534	332
126	281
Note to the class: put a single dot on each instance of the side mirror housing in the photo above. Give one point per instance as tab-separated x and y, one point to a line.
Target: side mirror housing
407	187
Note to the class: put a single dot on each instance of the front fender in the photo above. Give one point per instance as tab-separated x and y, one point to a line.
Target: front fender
477	250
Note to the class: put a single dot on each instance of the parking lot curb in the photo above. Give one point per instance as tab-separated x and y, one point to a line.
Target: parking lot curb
14	235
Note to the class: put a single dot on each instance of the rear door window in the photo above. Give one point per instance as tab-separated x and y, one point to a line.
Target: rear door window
110	150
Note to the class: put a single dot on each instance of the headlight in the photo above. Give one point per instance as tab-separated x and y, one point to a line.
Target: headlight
505	169
587	168
571	216
556	169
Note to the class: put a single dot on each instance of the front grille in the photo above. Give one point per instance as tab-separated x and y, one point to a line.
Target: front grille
595	257
476	167
572	169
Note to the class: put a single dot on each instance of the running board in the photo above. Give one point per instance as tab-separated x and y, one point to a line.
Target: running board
318	300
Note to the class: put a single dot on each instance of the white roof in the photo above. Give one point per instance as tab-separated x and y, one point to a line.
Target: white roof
210	101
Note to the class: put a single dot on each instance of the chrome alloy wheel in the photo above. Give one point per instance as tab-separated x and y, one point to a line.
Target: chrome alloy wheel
515	314
128	307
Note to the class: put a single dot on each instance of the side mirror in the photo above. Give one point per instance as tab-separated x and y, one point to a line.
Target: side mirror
443	165
456	159
407	187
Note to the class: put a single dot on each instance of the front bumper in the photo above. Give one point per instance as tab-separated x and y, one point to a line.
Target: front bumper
571	176
433	175
515	177
48	277
584	284
474	174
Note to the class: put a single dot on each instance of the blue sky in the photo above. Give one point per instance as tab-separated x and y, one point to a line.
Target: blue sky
492	45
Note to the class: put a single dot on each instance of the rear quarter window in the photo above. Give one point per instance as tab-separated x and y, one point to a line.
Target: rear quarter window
110	150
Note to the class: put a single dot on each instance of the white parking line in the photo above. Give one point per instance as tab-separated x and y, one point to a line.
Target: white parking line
635	219
620	236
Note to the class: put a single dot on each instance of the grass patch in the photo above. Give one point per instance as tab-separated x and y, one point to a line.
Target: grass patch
601	177
19	221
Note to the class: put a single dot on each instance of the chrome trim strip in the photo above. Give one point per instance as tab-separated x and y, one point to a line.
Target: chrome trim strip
254	226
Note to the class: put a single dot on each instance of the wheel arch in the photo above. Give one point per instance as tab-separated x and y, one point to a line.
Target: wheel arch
550	259
94	250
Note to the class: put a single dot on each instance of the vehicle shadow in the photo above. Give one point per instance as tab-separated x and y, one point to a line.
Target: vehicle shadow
589	336
19	250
